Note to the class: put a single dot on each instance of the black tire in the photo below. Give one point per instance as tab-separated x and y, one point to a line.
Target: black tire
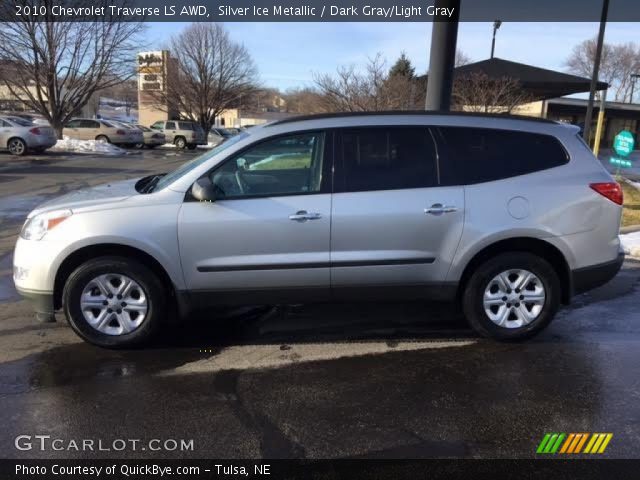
151	147
103	138
38	150
17	146
180	143
472	300
191	146
153	289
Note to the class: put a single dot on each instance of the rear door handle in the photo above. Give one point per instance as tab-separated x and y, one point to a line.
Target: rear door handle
303	216
439	209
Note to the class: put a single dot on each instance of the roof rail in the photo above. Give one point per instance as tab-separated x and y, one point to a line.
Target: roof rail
321	116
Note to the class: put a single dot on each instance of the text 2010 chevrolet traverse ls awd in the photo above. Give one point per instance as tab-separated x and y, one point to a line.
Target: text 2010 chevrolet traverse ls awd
508	216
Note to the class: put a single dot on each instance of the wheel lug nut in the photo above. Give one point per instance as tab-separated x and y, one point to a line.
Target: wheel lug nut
504	299
517	305
124	304
110	295
105	303
109	310
118	311
521	297
508	305
119	297
508	290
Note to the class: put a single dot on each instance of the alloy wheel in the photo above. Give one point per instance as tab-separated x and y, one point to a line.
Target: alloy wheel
514	298
114	304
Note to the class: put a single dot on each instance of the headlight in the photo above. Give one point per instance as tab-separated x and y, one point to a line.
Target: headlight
35	227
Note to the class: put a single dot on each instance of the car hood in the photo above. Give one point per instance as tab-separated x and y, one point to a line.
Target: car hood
90	197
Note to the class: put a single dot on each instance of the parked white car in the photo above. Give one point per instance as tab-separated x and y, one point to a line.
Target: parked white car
19	136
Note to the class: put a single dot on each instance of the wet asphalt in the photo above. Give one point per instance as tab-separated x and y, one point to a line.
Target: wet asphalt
404	380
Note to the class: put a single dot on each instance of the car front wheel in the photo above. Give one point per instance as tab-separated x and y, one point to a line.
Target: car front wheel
512	296
114	302
180	143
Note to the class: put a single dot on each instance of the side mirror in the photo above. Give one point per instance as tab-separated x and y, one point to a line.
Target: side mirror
203	190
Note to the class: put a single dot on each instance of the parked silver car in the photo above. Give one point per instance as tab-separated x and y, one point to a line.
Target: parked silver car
509	216
103	131
134	133
152	139
19	135
181	133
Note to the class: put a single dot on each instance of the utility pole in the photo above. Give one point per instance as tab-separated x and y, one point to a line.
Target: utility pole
634	77
442	58
496	26
596	70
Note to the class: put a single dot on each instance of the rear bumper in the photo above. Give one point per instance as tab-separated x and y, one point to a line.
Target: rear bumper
588	278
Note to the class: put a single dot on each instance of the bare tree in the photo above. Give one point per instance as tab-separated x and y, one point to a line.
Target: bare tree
372	89
212	73
56	67
477	92
462	58
304	101
617	64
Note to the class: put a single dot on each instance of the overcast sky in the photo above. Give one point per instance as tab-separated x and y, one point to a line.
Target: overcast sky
287	54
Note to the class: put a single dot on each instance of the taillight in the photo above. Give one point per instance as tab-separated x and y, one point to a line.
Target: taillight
35	131
193	134
611	190
121	132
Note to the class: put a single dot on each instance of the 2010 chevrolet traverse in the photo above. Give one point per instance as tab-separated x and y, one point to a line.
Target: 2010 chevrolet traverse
509	216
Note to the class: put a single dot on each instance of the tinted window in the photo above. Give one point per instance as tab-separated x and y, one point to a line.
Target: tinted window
21	121
89	124
170	126
73	124
288	165
388	159
158	125
4	124
185	126
475	155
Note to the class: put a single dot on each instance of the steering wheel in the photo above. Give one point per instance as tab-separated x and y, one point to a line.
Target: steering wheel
242	185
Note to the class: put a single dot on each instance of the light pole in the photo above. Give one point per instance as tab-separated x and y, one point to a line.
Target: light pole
496	26
442	58
586	132
634	77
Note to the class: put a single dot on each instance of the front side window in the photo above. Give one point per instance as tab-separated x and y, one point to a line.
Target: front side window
388	158
476	155
288	165
158	125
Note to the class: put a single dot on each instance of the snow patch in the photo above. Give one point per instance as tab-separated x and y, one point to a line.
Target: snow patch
86	146
631	244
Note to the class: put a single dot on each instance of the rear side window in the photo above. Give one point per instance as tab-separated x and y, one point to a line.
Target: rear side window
475	155
185	126
388	159
170	126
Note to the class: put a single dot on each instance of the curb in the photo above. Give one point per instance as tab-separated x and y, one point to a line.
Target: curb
630	229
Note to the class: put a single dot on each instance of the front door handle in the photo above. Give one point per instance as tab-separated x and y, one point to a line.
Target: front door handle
303	216
439	209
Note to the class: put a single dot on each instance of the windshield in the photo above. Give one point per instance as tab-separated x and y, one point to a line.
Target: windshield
196	162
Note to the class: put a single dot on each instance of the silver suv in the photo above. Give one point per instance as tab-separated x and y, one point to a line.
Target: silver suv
510	217
181	133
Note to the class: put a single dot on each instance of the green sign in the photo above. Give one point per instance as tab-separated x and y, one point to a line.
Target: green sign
620	162
623	143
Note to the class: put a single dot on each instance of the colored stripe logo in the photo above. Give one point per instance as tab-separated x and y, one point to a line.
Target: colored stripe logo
573	443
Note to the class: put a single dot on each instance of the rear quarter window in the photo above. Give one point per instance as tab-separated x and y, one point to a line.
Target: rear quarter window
476	155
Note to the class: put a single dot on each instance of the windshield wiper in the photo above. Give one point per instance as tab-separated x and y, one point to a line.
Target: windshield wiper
153	181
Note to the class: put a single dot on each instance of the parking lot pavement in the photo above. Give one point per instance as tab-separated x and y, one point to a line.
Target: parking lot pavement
316	381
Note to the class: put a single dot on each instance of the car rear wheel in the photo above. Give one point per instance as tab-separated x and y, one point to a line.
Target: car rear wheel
17	146
114	302
102	139
180	143
512	296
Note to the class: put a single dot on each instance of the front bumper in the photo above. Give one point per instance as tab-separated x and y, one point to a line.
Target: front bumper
42	303
588	278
